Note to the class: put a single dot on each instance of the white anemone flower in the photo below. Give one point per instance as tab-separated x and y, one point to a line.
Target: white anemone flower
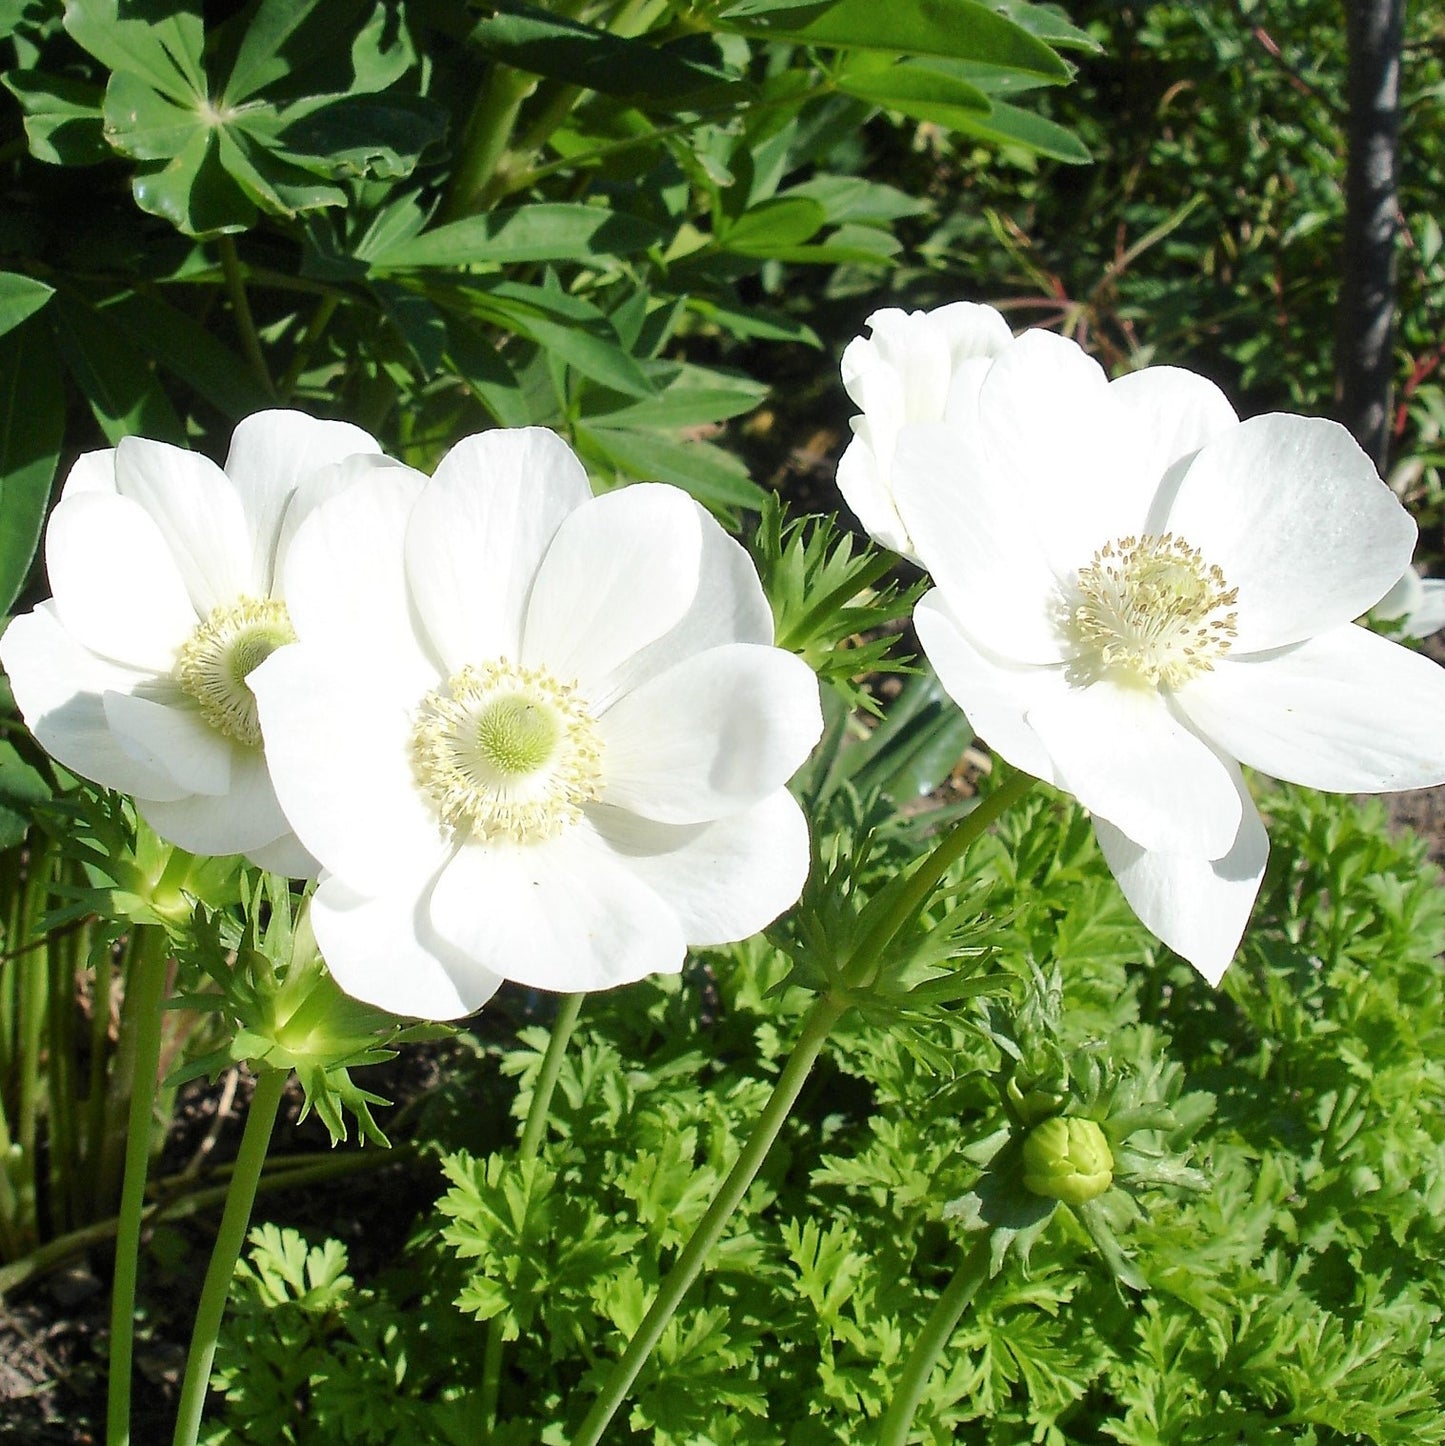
917	366
165	571
1416	605
1136	592
531	734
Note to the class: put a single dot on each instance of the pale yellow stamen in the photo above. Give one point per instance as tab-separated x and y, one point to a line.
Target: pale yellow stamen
1152	609
215	661
506	752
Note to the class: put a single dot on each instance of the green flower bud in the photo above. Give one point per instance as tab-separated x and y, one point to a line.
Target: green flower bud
1068	1159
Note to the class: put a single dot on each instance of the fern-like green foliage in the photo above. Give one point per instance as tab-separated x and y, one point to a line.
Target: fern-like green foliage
1288	1292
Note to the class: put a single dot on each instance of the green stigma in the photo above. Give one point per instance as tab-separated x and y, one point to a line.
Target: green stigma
215	661
517	734
506	753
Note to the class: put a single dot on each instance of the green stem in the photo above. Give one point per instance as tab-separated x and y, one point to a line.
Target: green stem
825	1013
245	322
140	1050
538	1111
488	130
260	1119
320	320
926	876
927	1348
827	1010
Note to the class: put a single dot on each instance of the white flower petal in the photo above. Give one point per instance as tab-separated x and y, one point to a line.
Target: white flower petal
1429	616
866	488
345	578
171	739
973	535
271	454
1176	412
725	880
1298	519
715	734
1197	907
385	952
901	371
321	486
622	571
916	367
478	534
565	915
338	737
244	818
285	857
1124	756
117	589
92	472
971	330
199	513
994	694
1403	598
1054	435
1347	711
60	688
729	606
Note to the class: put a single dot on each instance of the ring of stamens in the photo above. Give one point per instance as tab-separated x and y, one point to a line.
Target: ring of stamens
214	662
506	752
1150	607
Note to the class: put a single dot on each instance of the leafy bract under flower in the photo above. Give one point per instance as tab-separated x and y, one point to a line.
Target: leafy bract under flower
166	575
529	733
1136	592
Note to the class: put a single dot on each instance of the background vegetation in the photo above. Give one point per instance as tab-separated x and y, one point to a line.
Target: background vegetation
659	245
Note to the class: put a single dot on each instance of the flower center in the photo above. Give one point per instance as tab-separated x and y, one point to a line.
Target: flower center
214	662
506	752
1152	607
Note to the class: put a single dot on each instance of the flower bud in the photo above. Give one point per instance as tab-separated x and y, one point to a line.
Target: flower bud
1068	1159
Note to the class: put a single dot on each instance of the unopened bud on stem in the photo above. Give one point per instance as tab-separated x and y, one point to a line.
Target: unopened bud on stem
1068	1159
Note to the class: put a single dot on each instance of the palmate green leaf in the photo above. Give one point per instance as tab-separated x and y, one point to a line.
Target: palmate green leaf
190	352
1008	125
193	191
63	121
472	357
146	125
1048	22
32	426
272	180
778	224
962	28
158	41
115	379
571	330
363	135
20	296
715	477
693	397
544	232
682	75
914	88
305	55
268	26
857	199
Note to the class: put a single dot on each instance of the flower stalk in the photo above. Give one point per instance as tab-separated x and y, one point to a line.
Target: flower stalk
260	1119
538	1112
140	1058
947	1312
825	1014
